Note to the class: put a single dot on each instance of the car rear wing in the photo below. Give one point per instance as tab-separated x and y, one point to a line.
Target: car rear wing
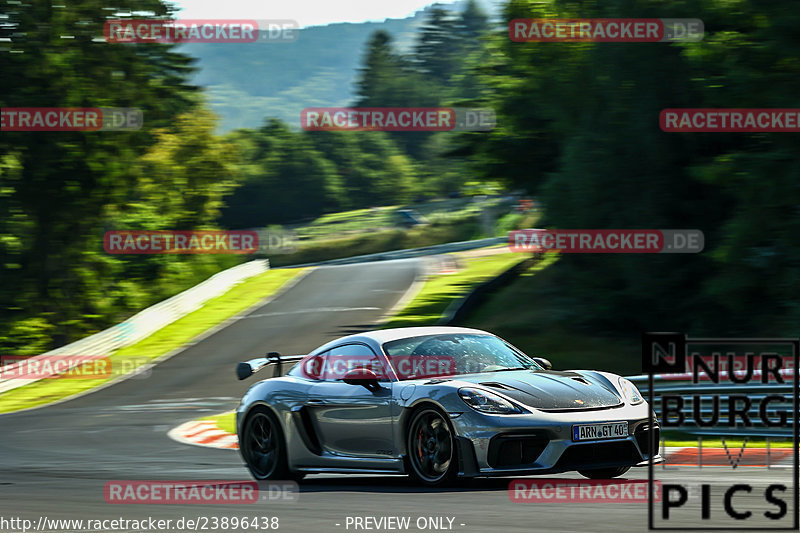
277	362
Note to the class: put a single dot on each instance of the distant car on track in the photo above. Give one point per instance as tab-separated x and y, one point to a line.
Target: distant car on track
437	403
409	218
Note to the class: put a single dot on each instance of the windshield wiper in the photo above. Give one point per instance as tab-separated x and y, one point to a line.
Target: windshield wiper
506	369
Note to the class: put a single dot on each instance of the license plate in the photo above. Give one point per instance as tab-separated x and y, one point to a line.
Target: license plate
610	430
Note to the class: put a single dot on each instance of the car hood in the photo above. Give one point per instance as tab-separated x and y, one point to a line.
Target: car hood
548	389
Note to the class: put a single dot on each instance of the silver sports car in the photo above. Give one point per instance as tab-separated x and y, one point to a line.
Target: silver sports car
436	403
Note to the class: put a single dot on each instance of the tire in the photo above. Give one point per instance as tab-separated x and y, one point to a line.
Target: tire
431	446
604	473
263	447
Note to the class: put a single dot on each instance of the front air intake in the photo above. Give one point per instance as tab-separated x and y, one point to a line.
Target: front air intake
506	451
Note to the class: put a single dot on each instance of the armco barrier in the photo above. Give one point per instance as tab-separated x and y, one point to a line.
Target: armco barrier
435	249
704	391
457	311
152	319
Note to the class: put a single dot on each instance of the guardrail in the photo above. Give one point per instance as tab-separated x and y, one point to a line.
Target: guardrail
458	310
445	248
705	392
150	320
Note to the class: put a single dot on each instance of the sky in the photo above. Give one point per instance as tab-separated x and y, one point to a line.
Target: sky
305	12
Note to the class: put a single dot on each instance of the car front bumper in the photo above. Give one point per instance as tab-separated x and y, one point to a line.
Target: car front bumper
541	442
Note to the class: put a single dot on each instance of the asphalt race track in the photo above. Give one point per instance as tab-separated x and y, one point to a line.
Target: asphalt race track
55	461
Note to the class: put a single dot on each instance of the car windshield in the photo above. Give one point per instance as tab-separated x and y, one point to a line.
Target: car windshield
445	355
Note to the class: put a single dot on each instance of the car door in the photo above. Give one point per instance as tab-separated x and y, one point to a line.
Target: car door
351	419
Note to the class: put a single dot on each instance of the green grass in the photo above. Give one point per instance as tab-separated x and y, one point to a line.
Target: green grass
378	241
523	314
359	220
172	336
335	225
224	421
441	290
376	230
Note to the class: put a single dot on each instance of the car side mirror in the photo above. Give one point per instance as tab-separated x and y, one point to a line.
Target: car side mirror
544	363
361	376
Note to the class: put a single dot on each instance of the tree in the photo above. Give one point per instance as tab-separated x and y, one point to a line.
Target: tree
285	179
437	47
57	186
371	169
388	79
472	24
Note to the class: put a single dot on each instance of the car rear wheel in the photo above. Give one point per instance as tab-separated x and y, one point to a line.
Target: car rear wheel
431	448
604	473
262	446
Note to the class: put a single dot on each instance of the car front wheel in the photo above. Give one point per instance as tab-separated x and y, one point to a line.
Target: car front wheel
431	448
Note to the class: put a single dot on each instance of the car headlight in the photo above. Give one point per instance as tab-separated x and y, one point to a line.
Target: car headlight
630	392
487	402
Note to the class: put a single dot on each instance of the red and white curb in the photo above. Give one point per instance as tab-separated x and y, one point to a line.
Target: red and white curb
740	456
204	433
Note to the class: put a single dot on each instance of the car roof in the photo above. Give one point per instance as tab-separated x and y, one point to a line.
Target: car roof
381	336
